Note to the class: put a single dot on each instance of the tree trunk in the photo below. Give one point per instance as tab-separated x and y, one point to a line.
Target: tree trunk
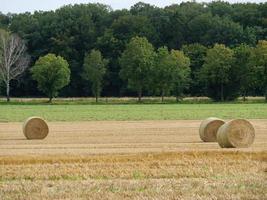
97	91
7	91
50	99
139	94
222	96
162	96
244	97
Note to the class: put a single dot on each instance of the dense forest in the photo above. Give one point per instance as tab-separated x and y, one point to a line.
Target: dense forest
206	33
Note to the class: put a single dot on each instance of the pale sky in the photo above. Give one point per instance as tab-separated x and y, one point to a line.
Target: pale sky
18	6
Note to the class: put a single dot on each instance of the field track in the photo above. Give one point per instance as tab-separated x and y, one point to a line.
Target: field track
101	137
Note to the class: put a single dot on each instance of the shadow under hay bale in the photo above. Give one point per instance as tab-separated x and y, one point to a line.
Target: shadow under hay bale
208	129
238	133
35	128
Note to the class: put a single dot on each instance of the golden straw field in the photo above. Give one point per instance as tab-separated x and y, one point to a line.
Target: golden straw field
129	160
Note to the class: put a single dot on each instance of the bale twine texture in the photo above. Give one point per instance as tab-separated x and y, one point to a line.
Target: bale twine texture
208	129
35	128
238	133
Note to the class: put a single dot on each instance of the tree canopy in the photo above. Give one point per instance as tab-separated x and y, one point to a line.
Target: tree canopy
94	71
51	73
73	30
136	63
216	72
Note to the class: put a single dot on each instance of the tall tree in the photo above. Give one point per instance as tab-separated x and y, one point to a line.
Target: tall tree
94	70
181	74
242	56
216	71
197	53
52	73
13	58
111	49
136	64
163	73
260	66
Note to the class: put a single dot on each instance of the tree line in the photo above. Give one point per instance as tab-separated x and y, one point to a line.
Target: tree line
214	49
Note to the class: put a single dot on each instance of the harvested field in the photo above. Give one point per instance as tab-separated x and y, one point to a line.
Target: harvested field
116	137
129	160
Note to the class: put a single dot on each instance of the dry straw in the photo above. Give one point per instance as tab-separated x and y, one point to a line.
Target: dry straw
208	129
238	133
35	128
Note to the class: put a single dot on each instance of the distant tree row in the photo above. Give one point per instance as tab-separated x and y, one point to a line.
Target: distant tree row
221	50
224	75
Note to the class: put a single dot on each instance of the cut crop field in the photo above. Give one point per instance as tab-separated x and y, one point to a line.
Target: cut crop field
129	160
61	112
101	137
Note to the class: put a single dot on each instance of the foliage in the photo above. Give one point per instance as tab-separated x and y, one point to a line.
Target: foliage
181	73
94	71
196	53
136	64
4	21
260	66
73	30
242	63
217	72
164	71
52	73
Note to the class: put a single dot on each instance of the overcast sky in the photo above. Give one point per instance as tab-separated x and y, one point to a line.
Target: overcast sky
18	6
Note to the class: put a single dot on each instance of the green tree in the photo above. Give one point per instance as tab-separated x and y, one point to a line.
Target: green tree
136	64
4	21
208	30
197	53
181	74
73	30
52	73
179	18
111	48
216	71
163	73
94	70
129	26
69	31
242	56
259	60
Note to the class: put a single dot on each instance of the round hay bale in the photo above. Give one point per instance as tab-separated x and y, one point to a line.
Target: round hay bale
35	128
238	133
208	129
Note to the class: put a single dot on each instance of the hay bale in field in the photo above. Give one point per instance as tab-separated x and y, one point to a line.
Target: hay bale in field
208	129
238	133
35	128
